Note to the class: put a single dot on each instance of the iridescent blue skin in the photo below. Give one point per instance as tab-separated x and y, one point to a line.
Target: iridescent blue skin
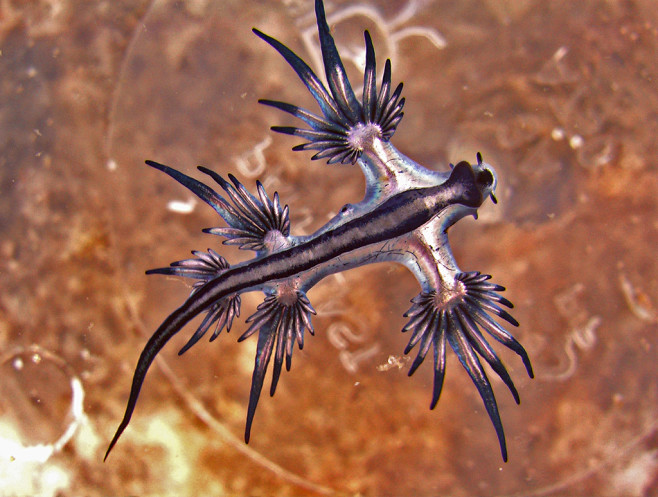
403	218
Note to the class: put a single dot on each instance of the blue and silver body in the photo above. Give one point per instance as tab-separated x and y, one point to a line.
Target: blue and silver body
403	218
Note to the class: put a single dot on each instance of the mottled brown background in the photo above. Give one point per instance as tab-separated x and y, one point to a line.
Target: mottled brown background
561	97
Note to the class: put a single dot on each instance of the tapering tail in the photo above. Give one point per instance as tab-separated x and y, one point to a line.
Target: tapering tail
191	308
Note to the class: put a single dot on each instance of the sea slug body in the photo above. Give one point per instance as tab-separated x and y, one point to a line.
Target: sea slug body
403	218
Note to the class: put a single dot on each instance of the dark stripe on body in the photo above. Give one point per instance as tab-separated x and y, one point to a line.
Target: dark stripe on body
400	215
397	216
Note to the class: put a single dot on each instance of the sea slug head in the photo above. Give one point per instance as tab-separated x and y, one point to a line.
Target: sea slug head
471	184
474	182
485	178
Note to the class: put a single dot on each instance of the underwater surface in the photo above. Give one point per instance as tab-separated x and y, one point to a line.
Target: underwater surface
560	97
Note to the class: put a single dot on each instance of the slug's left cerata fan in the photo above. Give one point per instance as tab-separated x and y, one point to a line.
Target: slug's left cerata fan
403	218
